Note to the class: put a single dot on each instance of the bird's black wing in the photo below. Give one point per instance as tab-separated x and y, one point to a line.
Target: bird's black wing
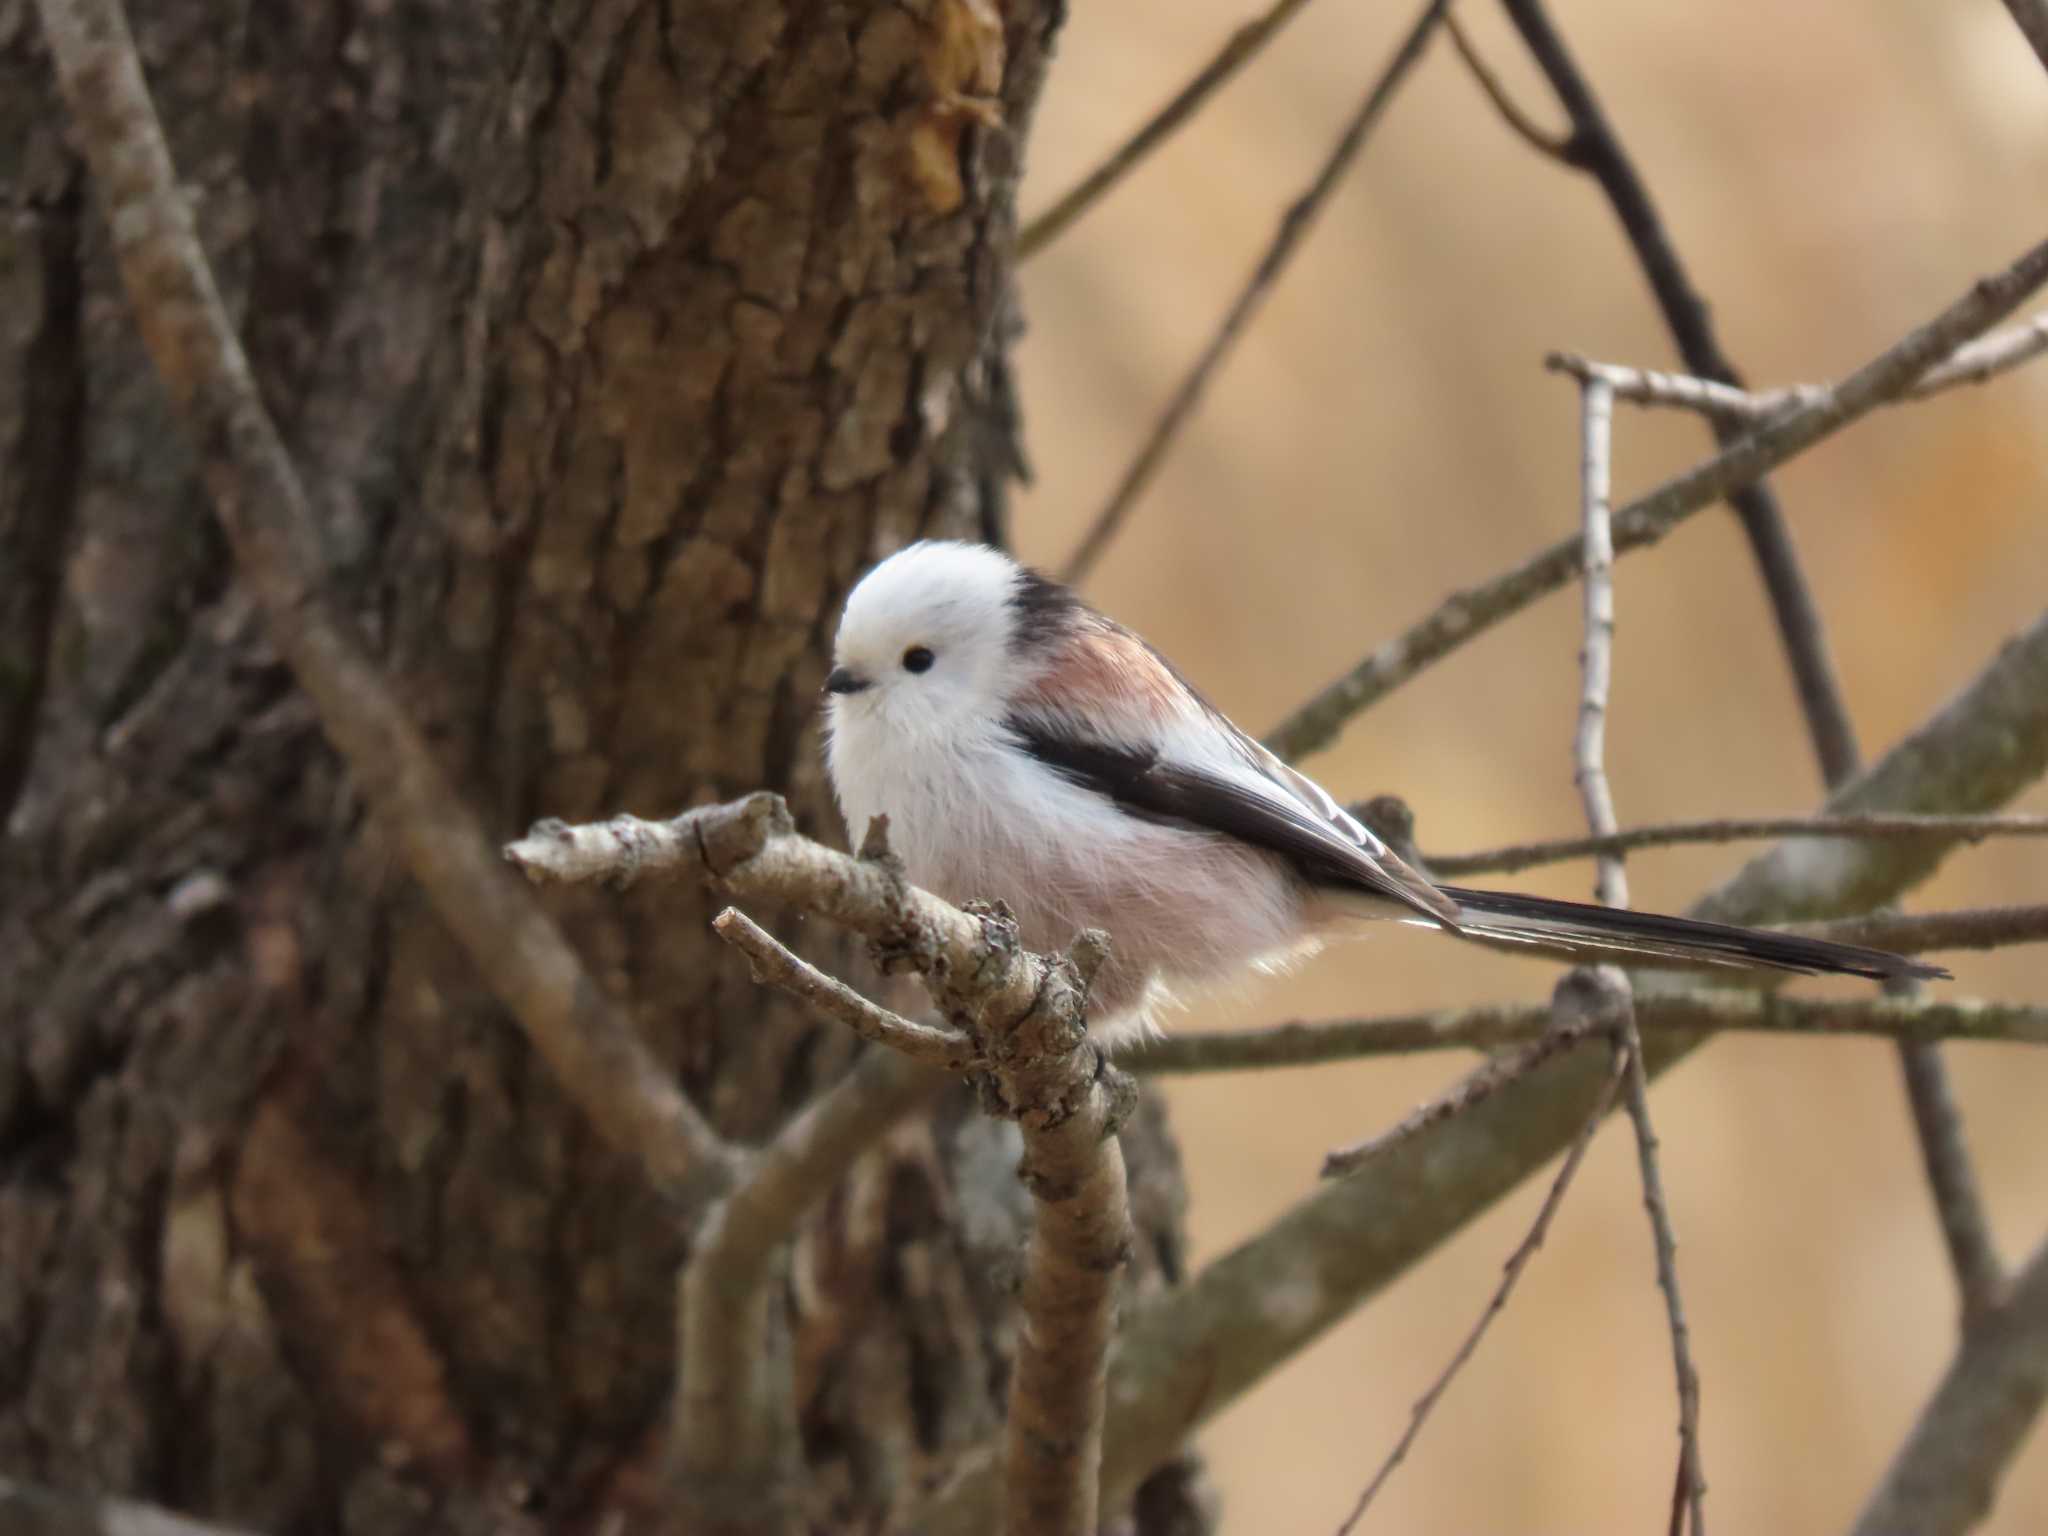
1246	805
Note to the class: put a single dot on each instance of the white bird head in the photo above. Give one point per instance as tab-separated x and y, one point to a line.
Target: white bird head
927	645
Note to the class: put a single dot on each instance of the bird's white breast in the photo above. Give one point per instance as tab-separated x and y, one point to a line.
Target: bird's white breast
973	816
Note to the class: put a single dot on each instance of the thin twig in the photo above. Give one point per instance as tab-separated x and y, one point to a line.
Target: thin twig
1244	45
1294	226
517	949
943	1049
1729	829
1943	1479
1986	357
1690	1492
734	1448
1490	1026
1476	1087
1596	659
1974	363
1510	1273
1466	615
1546	142
2032	18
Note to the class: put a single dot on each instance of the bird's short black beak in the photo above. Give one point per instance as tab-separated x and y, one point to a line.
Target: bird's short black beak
843	680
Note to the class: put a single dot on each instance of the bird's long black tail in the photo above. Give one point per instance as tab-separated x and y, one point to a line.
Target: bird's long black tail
1581	931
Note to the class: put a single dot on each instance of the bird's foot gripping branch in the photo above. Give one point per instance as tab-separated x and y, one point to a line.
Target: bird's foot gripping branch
1017	1028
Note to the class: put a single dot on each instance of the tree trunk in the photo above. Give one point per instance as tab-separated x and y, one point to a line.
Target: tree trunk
614	340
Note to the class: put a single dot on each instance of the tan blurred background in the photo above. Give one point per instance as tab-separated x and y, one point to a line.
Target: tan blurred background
1833	171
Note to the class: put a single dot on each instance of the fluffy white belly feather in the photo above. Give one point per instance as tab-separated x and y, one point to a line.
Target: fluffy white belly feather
1181	906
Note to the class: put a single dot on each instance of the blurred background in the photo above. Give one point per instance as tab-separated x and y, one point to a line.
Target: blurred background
1833	173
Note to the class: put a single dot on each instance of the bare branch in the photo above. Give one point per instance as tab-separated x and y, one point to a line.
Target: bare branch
1466	615
1244	45
1942	1481
1986	358
1596	656
1973	363
1951	1177
1026	1018
1474	1088
1729	829
1294	226
1690	1492
1596	660
2031	16
733	1438
27	1510
517	949
1490	1026
1080	1241
1546	142
1510	1273
1679	391
943	1049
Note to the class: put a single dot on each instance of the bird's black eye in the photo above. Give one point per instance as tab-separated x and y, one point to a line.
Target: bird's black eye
918	658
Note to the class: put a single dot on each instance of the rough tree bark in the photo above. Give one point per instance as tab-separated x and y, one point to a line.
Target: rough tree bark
613	338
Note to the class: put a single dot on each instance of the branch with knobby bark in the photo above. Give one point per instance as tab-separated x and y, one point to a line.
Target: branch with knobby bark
1191	1353
1976	362
1023	1018
1596	148
1466	615
1726	829
517	949
1944	1477
1294	226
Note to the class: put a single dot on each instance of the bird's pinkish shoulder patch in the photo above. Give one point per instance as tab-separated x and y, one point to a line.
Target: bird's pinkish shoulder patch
1105	672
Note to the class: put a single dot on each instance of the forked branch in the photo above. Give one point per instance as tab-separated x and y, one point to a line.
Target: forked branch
1025	1017
1466	615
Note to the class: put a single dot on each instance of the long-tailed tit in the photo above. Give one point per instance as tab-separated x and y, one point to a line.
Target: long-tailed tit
1027	749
